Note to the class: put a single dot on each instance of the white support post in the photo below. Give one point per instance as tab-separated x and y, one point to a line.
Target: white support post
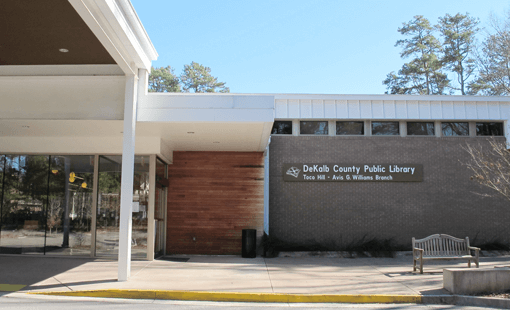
128	163
438	129
403	128
331	128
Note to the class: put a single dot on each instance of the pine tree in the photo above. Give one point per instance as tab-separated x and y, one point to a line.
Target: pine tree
198	79
458	33
422	75
163	80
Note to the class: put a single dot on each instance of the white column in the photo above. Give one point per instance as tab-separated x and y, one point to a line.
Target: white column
403	128
331	128
295	127
438	129
128	162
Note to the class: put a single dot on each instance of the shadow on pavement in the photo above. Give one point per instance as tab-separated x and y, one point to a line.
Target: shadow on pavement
28	270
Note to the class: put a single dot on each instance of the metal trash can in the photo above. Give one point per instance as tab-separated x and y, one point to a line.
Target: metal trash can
249	243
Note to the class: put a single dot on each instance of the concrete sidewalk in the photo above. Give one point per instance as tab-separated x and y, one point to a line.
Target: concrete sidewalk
287	275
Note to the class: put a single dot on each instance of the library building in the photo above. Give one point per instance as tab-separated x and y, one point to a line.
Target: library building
93	165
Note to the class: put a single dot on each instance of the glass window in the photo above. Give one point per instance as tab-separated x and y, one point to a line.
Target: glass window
25	188
385	129
350	128
455	129
160	207
69	213
420	129
313	128
108	206
140	207
282	128
489	129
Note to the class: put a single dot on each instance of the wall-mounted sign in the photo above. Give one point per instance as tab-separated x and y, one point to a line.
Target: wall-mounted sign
352	172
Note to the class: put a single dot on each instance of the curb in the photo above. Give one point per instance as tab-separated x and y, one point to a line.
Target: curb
240	297
463	300
500	303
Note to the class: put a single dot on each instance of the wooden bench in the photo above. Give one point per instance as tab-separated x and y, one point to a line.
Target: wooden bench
441	246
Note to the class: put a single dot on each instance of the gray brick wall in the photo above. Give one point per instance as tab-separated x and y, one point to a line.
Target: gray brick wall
337	214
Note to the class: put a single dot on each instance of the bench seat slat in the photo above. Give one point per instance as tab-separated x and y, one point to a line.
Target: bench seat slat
447	257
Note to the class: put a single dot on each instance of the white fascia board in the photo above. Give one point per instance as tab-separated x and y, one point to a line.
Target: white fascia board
405	108
123	30
137	27
89	12
205	115
164	107
388	97
205	101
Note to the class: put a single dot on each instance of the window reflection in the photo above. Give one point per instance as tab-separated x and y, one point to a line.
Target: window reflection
46	204
24	191
69	213
420	129
314	128
282	128
489	129
385	129
455	129
108	207
350	128
140	207
159	207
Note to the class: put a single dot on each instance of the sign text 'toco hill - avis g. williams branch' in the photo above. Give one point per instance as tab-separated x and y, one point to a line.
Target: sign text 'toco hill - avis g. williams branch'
352	172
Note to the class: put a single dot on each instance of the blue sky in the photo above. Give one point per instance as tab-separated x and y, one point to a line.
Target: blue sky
293	46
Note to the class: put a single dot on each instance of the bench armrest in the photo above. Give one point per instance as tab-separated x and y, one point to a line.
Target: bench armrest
420	254
472	248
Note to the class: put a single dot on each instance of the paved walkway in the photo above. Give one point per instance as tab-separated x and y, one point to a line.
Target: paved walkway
302	275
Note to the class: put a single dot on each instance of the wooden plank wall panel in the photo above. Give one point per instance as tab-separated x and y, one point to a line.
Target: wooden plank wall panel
212	196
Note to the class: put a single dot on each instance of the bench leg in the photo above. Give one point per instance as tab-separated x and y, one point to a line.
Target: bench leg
477	263
414	264
421	266
469	263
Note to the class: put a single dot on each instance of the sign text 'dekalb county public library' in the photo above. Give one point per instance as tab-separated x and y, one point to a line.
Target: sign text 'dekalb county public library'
352	172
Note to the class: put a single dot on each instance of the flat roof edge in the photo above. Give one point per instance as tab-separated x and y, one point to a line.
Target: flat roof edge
348	96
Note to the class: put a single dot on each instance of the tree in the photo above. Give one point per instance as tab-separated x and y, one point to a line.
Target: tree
494	61
163	80
458	33
422	75
198	79
491	167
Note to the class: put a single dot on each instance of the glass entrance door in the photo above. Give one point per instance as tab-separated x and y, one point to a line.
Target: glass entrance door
160	208
108	206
